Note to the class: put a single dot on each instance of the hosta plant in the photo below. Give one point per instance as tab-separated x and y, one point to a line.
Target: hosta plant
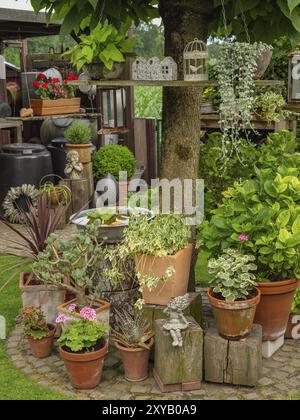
262	217
231	275
82	336
132	331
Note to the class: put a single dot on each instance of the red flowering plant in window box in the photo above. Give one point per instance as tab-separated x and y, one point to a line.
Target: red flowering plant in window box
56	96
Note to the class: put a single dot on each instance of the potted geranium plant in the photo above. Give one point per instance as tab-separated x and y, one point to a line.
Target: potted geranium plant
162	251
73	269
39	333
79	138
56	97
103	51
82	347
40	222
295	311
262	217
134	339
233	295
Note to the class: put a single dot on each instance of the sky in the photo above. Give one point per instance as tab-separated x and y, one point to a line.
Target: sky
13	4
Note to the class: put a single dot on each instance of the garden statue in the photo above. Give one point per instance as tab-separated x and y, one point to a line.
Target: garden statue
73	168
177	321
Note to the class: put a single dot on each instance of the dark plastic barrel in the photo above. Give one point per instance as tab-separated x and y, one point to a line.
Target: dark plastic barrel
23	164
59	156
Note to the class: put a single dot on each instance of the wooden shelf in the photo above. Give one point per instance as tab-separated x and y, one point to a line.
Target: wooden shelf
56	117
163	83
106	131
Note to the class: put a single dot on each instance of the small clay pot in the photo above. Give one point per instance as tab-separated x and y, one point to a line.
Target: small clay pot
85	370
84	151
274	309
135	361
42	348
234	320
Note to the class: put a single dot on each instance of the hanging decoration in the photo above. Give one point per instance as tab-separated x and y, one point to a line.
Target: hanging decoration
195	59
154	69
16	198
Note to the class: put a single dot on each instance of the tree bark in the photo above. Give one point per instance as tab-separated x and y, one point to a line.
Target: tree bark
184	20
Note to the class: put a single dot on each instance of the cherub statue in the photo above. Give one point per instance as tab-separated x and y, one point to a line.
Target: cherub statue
74	168
177	322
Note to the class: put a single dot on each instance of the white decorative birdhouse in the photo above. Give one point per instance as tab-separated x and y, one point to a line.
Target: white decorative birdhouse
169	69
140	69
195	58
154	68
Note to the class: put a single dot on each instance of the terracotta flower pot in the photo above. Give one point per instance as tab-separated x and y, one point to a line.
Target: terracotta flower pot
42	348
177	285
274	309
135	362
85	370
84	151
234	320
291	326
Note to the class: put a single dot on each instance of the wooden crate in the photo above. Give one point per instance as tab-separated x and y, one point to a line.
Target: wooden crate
43	107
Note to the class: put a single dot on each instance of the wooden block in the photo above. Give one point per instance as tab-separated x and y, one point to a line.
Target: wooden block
233	362
154	312
178	368
80	195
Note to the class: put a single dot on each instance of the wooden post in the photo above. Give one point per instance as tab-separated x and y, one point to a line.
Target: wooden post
80	195
178	368
233	362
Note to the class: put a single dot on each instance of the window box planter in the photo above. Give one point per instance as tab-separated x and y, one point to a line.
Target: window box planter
177	285
43	107
49	297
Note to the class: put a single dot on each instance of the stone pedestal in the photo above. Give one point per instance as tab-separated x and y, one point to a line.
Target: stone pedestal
178	368
233	362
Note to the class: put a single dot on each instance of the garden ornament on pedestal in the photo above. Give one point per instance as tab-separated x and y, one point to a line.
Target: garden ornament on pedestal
177	322
73	168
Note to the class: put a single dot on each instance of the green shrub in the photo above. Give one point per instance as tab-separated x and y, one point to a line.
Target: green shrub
112	160
78	133
296	303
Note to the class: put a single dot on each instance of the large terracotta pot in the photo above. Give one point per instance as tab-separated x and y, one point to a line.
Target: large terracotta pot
234	320
48	297
84	151
135	362
291	326
176	286
42	348
274	309
85	370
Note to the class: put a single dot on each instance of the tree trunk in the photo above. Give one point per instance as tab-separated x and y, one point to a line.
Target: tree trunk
184	20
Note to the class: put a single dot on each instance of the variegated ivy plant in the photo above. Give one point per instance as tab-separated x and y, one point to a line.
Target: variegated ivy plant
231	275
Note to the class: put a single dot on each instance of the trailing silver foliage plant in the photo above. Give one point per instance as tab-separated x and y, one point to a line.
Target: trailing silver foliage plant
231	275
236	68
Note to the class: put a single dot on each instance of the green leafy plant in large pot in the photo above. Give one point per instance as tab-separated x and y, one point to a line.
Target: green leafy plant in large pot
83	346
71	265
261	217
103	51
162	252
233	295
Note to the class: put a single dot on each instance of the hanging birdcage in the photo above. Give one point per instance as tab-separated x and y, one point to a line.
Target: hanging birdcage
195	58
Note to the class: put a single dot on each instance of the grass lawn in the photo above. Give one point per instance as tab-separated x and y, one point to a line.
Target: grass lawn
202	276
13	384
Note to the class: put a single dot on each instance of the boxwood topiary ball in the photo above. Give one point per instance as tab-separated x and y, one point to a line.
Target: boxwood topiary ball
112	160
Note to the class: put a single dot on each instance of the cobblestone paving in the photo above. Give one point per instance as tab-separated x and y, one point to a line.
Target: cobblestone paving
280	380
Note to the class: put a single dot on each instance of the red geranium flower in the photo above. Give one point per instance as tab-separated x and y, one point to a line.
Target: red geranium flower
41	76
36	84
56	80
71	77
44	85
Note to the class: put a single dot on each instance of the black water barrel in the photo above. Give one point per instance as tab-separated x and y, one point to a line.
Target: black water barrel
23	163
59	156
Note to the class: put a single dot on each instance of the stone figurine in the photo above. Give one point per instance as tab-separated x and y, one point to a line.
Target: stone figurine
74	168
177	322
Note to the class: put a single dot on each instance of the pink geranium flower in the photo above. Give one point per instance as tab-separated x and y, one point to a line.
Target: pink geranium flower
72	307
89	314
244	237
61	319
